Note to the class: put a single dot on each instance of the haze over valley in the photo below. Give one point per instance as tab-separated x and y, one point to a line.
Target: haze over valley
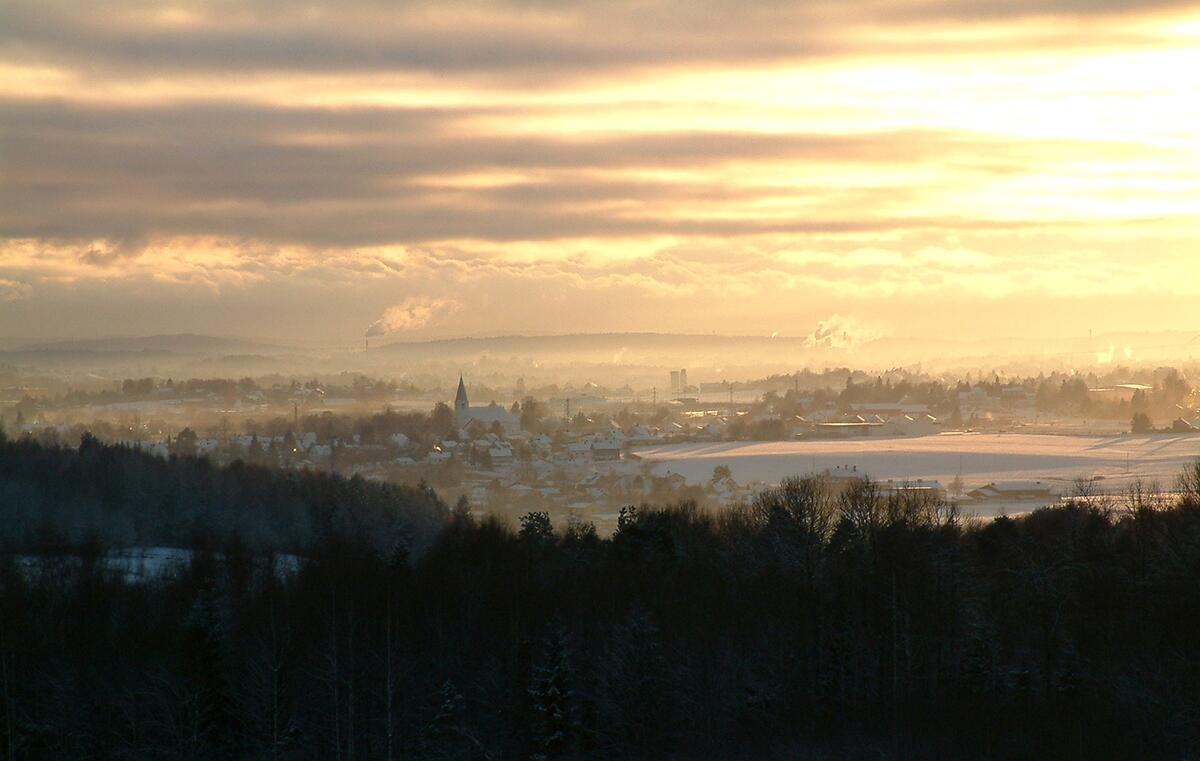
586	380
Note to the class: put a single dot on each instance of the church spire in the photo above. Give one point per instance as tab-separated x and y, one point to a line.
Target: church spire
460	399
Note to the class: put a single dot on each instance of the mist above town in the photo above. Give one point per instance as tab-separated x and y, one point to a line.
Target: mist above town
637	360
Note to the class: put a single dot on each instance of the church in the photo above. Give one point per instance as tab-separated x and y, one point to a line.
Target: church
465	414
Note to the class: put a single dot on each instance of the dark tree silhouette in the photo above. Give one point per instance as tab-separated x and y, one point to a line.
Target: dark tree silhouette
313	617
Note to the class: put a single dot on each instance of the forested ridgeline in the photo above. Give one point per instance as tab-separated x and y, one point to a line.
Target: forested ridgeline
55	498
810	624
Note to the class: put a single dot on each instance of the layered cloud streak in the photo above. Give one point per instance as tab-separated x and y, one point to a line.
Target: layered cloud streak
816	158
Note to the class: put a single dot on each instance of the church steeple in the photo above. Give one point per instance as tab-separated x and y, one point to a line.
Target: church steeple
461	404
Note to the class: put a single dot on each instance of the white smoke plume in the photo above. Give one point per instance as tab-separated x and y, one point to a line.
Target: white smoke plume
1106	357
838	332
411	314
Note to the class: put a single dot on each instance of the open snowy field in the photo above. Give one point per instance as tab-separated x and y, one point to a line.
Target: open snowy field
980	458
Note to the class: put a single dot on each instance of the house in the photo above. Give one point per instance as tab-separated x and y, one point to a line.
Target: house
608	447
640	434
845	429
579	449
843	475
676	480
499	451
911	425
825	415
501	454
922	425
920	486
890	409
1121	392
1013	490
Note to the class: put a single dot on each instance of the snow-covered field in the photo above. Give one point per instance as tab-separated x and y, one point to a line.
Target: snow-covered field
140	564
980	458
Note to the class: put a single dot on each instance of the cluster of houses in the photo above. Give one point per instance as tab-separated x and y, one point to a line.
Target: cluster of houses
590	469
886	420
495	453
996	493
587	470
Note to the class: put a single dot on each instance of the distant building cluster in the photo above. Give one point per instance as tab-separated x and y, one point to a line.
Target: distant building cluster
679	382
872	419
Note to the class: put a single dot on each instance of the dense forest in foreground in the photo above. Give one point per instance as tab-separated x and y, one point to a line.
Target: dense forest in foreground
808	624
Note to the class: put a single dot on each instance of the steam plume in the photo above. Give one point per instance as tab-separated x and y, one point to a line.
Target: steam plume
411	314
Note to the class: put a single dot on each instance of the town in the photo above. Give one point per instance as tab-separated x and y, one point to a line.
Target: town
581	454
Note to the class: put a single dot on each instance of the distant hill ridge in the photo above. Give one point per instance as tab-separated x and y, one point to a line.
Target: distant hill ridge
176	343
585	341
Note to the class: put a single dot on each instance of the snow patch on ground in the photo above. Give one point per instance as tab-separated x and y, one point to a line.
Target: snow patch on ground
1115	461
141	564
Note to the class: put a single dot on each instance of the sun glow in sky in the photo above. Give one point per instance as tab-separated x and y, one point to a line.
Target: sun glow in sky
965	167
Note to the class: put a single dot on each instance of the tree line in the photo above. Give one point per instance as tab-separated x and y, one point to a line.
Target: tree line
813	622
56	498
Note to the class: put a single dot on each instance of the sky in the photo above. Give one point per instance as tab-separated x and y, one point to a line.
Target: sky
314	171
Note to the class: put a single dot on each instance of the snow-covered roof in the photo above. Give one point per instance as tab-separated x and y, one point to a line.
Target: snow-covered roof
492	413
1018	486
